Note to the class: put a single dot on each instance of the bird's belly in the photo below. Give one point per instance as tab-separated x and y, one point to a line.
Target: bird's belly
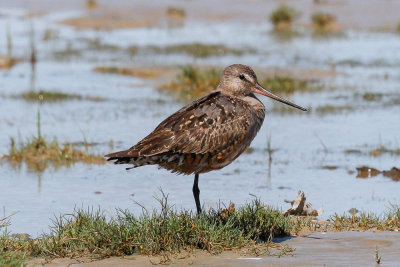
201	163
220	160
189	163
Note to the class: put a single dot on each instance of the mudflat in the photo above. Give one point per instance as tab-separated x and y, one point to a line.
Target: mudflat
351	248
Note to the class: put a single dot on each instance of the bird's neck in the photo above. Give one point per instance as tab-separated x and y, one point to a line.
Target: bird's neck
254	102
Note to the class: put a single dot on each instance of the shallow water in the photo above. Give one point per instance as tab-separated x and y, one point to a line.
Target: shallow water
131	107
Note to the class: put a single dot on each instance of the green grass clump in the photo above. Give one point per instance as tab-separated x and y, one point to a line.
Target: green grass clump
283	16
176	12
202	50
367	221
47	96
91	4
38	154
67	53
12	259
282	85
197	50
88	233
193	82
322	20
331	109
368	96
10	253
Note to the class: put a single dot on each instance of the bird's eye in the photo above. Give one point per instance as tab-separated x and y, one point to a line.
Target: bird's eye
242	77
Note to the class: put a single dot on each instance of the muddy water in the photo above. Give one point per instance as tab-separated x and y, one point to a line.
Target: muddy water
354	63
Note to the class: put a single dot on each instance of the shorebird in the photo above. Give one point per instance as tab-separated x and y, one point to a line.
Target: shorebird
207	134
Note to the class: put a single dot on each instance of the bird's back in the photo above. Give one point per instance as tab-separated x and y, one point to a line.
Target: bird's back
205	135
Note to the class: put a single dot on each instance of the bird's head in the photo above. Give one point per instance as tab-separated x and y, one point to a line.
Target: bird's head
240	80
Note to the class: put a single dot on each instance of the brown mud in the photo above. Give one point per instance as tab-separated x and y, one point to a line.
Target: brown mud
350	248
356	14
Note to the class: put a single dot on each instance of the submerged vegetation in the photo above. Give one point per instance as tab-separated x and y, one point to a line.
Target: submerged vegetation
331	109
47	96
202	50
145	73
368	96
384	150
198	50
375	151
88	233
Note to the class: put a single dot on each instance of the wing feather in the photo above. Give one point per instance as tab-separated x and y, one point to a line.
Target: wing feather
209	124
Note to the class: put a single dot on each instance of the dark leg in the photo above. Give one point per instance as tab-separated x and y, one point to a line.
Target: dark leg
196	193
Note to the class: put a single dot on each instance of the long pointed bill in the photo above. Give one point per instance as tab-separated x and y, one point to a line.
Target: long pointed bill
260	90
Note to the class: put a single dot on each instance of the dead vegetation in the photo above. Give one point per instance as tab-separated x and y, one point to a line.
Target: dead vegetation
376	152
7	62
368	172
176	12
300	207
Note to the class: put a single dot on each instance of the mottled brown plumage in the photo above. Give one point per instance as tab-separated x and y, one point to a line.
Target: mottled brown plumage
209	133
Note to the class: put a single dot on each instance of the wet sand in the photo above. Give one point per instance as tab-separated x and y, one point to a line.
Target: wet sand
317	249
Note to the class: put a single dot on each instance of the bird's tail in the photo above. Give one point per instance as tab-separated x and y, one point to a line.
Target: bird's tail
123	157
